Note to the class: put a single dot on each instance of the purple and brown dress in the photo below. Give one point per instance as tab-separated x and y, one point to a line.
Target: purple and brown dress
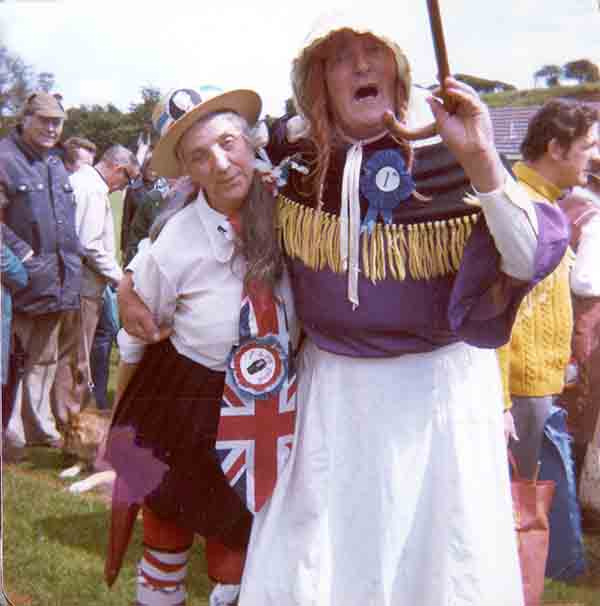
397	488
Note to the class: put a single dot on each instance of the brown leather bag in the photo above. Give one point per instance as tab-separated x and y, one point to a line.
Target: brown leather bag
531	504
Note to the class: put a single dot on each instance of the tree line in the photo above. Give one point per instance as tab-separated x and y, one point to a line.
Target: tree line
17	80
581	70
105	125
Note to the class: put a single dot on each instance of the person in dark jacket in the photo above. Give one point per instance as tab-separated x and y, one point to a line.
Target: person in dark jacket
135	197
150	202
38	206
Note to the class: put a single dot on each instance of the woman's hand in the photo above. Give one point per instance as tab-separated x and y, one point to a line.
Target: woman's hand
467	131
135	317
469	134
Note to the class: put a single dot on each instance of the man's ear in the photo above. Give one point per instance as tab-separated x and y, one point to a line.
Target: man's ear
555	150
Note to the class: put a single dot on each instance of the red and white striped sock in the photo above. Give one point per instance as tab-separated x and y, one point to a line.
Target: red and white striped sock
161	578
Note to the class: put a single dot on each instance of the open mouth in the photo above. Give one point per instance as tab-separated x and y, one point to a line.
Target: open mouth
366	92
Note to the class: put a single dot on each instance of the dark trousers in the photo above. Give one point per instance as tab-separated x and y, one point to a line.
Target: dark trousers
106	333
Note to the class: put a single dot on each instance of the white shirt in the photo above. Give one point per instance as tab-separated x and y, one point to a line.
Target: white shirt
187	280
586	193
96	231
585	273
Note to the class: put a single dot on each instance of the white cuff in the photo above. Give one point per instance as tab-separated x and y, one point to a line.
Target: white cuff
513	224
131	349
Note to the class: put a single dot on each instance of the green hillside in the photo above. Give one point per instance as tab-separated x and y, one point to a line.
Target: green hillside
537	96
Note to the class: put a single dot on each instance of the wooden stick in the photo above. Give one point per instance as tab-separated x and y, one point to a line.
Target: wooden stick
399	129
441	54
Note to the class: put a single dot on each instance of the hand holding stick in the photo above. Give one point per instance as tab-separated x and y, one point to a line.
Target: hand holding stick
461	119
392	124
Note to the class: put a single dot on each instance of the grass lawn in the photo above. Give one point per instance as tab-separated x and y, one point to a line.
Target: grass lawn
55	542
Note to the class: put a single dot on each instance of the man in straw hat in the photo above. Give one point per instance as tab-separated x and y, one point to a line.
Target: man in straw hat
37	204
397	488
215	274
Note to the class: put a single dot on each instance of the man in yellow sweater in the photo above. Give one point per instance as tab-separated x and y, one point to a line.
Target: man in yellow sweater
561	140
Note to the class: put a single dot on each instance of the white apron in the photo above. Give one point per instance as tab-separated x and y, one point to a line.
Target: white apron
397	490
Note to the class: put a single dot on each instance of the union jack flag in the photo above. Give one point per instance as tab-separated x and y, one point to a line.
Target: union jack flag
258	408
254	442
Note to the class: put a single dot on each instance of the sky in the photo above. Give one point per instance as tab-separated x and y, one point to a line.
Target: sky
103	52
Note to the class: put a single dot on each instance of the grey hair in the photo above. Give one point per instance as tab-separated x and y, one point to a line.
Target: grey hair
258	242
120	156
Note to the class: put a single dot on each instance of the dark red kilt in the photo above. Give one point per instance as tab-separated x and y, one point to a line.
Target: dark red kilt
161	444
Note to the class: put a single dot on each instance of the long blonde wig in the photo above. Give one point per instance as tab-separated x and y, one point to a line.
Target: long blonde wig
312	99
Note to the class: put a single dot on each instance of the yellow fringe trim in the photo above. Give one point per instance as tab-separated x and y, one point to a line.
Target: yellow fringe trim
423	250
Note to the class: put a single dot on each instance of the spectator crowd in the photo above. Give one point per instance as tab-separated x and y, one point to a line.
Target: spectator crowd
62	270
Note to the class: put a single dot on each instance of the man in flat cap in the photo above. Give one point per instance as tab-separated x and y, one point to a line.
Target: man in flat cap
37	204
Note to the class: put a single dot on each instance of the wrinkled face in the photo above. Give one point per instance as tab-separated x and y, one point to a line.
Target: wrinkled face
220	160
360	77
574	166
40	132
120	176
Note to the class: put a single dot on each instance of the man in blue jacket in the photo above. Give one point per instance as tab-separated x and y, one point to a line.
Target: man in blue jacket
38	205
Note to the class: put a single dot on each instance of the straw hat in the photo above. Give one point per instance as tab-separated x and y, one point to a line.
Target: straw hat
180	108
331	23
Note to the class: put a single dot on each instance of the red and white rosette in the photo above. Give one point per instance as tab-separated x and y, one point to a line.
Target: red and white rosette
259	367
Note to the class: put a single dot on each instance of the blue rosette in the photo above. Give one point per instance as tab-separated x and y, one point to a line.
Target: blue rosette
385	183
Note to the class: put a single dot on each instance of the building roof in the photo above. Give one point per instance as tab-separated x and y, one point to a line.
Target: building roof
510	126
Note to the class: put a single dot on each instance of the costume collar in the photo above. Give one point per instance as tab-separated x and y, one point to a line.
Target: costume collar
537	182
350	226
220	231
351	141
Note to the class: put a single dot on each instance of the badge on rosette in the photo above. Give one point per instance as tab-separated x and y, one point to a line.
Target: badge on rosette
385	183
